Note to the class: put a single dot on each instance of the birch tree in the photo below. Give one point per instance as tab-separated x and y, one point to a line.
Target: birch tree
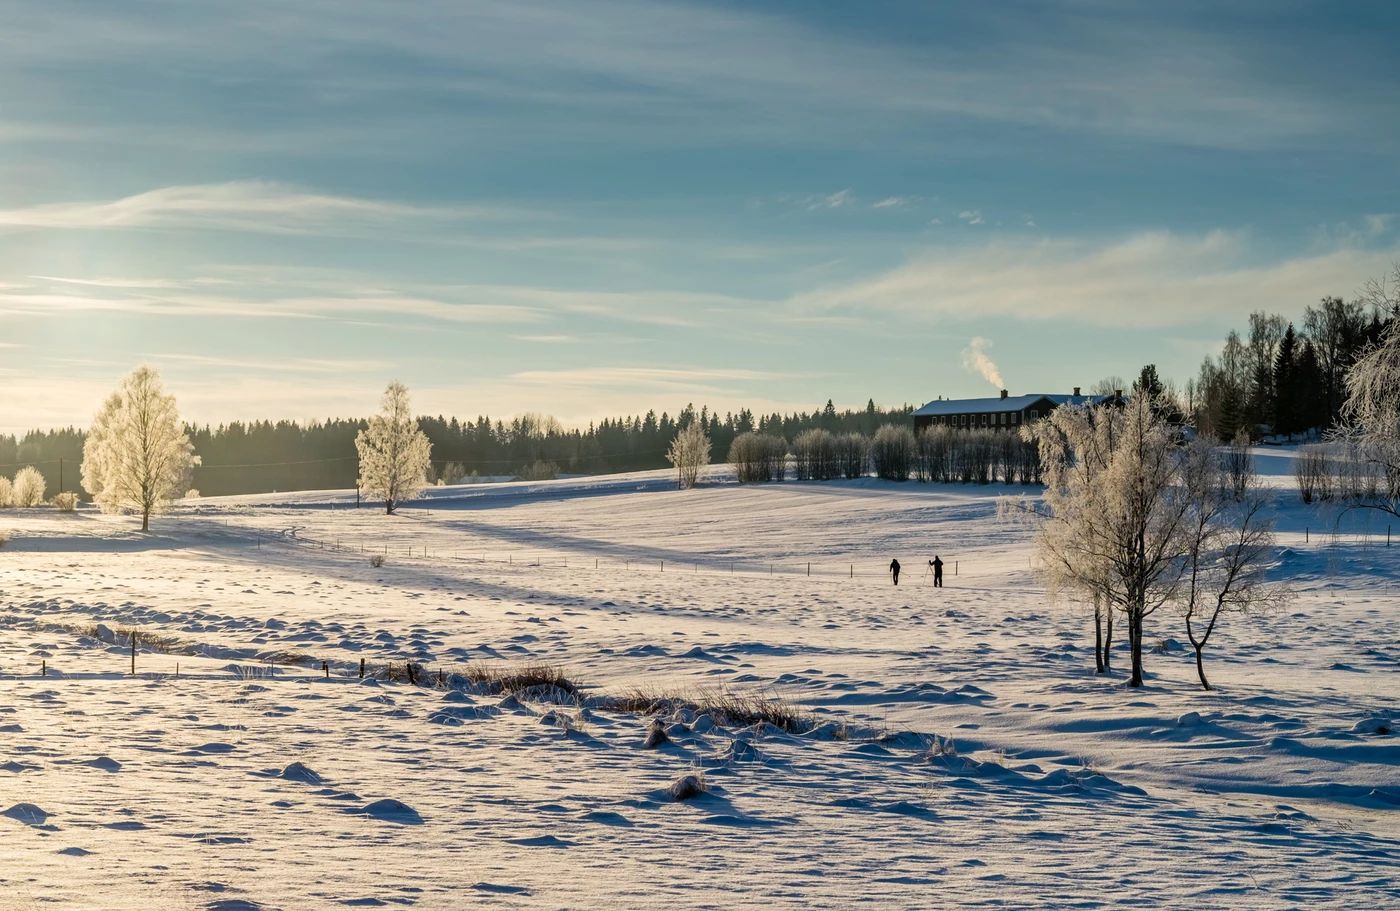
1372	413
1114	511
690	452
395	456
136	456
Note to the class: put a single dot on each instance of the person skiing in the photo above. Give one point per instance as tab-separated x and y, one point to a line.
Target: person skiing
894	570
937	565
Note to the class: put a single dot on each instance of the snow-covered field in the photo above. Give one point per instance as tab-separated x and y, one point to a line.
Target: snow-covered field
1059	789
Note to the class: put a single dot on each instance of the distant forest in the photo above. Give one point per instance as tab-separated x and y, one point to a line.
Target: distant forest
264	456
1280	379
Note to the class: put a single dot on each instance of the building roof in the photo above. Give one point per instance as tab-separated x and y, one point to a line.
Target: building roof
940	407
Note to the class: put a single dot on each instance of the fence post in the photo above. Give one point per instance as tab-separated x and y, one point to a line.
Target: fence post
43	668
1305	534
325	666
809	569
133	651
955	567
362	668
853	570
663	566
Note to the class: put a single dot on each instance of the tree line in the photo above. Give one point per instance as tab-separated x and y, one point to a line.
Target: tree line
264	456
1288	378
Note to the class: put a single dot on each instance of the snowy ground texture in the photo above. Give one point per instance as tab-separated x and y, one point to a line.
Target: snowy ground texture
243	783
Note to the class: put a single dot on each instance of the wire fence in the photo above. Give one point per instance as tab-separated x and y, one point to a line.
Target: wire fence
821	568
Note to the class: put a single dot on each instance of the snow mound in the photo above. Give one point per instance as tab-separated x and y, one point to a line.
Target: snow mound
390	810
27	813
297	771
687	787
1375	725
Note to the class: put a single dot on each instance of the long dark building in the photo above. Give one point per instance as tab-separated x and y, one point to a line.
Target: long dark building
1008	412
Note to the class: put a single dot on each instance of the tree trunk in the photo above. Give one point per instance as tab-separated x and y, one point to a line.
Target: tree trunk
1108	642
1135	644
1201	669
146	518
1099	667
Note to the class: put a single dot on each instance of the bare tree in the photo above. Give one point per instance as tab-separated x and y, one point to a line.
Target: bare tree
1229	546
1239	467
395	456
690	452
136	455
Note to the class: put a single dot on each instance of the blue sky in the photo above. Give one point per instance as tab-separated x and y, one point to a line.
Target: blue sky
591	208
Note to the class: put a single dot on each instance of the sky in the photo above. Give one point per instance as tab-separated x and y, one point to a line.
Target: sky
597	208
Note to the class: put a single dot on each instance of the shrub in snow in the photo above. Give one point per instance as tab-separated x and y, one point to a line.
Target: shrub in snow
6	493
758	457
1237	465
539	470
853	454
4	539
28	489
689	452
395	456
892	452
137	455
1313	470
67	501
191	494
452	473
815	456
376	561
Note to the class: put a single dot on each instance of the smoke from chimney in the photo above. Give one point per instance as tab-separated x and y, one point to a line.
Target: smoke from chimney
974	358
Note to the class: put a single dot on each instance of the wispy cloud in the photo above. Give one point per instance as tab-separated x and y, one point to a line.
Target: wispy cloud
889	202
833	201
1151	279
245	205
643	379
971	216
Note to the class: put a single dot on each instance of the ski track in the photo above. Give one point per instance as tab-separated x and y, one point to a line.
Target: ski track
243	786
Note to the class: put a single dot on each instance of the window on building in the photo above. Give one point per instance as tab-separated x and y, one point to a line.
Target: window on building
1034	414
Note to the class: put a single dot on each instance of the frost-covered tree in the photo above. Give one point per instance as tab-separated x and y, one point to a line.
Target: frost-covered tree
28	487
1115	511
6	492
395	456
690	452
1372	413
136	456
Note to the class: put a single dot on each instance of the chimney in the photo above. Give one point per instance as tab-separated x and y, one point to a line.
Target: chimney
1118	393
1076	390
1003	393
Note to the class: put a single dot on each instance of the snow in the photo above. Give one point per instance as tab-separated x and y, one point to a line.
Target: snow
963	753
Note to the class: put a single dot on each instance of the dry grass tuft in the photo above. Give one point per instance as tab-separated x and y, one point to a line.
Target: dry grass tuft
725	707
514	678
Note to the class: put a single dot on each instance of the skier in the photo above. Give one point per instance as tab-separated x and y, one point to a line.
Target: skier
894	570
937	565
